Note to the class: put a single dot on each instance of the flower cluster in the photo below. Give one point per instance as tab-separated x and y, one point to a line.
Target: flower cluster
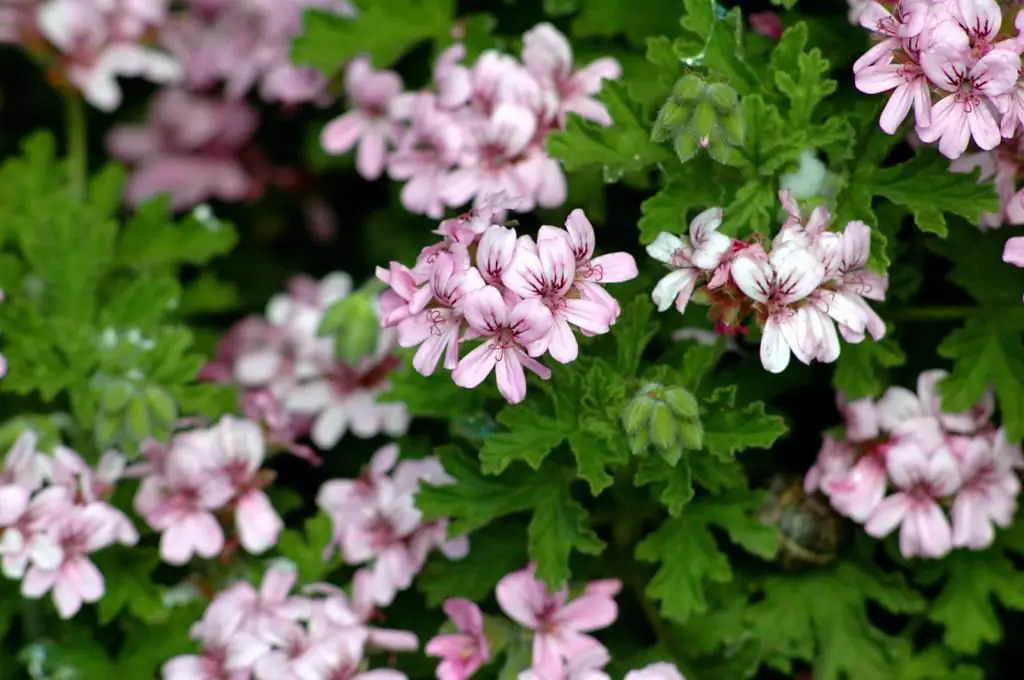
376	522
1013	252
91	43
275	634
808	283
521	297
954	63
204	478
291	379
53	515
197	142
562	648
478	130
904	462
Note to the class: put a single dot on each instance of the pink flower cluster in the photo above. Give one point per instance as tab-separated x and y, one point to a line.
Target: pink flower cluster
53	515
522	298
477	130
953	62
562	648
1013	252
275	634
376	522
945	479
810	281
291	379
197	142
204	478
91	43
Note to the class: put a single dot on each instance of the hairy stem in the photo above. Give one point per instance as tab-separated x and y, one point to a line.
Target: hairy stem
77	151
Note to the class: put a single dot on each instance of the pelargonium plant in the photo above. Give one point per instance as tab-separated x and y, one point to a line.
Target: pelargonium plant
579	340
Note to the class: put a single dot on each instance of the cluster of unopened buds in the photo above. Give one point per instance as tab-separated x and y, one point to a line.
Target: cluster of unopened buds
53	515
291	378
521	298
800	288
561	646
204	479
947	480
274	633
376	522
477	130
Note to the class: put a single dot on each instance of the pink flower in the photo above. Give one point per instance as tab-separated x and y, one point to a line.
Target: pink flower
511	338
922	478
690	257
1013	252
179	501
988	493
999	166
788	277
858	492
369	124
587	665
238	451
341	656
592	272
338	612
967	112
271	611
464	652
437	329
559	626
656	671
547	274
846	269
767	24
425	155
548	56
834	461
899	408
77	533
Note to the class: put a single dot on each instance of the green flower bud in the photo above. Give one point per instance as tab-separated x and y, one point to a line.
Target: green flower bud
691	434
682	403
734	125
116	395
686	147
663	427
705	120
671	116
640	441
638	412
722	97
355	325
721	151
689	88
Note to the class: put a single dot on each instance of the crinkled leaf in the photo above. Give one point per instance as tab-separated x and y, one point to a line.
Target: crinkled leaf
152	239
986	352
559	526
861	370
495	552
306	548
633	330
686	190
129	584
530	437
673	483
620	17
729	429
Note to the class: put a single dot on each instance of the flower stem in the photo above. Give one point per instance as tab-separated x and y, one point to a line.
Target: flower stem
77	150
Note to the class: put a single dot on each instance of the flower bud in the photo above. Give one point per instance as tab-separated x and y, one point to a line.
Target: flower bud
667	418
734	125
682	403
689	88
705	120
686	147
355	325
723	97
663	427
638	411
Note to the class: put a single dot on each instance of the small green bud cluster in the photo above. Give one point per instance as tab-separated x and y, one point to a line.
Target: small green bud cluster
664	417
701	115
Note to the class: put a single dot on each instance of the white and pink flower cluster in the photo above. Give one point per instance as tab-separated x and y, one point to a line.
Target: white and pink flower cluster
53	515
204	479
291	379
322	633
947	480
562	648
91	43
521	298
808	282
477	130
376	522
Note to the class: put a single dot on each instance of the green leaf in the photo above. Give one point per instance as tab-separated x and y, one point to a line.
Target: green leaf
559	525
977	264
820	617
685	192
495	552
729	429
130	584
531	436
475	500
624	147
602	18
690	557
699	361
719	45
144	303
973	582
306	548
925	186
861	368
934	663
434	396
633	330
151	239
811	84
673	482
986	352
382	29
